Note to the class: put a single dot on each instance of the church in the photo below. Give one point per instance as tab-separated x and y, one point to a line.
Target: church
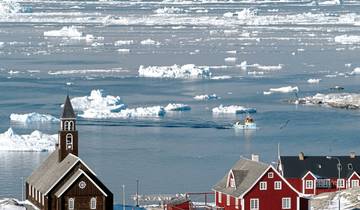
63	181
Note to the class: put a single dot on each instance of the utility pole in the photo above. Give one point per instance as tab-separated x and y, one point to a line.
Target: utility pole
137	193
123	189
22	188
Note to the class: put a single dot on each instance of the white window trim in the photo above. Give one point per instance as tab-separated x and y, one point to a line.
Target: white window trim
309	184
71	203
237	203
256	200
263	185
93	203
228	200
279	186
30	187
271	175
353	181
220	197
342	181
283	203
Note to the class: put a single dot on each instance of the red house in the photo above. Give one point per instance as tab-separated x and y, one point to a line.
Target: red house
312	175
253	185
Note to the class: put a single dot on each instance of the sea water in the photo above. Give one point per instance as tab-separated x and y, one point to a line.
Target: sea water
283	44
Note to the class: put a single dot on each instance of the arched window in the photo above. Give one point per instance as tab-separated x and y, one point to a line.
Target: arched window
69	141
93	203
71	203
69	125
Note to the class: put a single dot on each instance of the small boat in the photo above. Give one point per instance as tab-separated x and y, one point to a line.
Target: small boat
248	124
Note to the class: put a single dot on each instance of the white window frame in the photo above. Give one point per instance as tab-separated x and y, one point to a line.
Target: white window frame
354	183
43	200
277	185
30	188
271	175
286	203
69	145
93	203
220	197
263	185
228	200
309	184
71	203
254	204
237	203
340	183
232	182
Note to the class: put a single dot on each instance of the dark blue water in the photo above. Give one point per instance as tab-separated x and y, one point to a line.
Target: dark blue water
187	151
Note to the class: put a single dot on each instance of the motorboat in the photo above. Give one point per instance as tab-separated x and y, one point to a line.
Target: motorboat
248	123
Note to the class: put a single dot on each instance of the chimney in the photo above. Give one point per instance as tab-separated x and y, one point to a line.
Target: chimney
255	158
352	155
301	156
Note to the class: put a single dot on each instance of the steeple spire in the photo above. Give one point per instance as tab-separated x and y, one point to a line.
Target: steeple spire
68	111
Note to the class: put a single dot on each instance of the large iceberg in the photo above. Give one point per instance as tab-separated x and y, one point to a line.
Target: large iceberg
66	31
36	141
139	112
188	71
206	97
177	107
232	109
336	100
33	118
287	89
97	101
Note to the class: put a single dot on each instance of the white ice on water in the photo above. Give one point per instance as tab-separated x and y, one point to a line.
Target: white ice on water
336	100
9	7
244	65
347	39
313	81
222	77
177	107
11	204
356	71
66	31
36	141
232	109
149	42
206	97
168	10
188	71
33	118
286	89
139	112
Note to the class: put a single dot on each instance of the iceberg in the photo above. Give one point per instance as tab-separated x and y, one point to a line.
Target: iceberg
230	59
177	107
232	109
244	65
34	142
96	101
356	71
335	100
346	39
188	71
11	204
123	42
149	42
9	7
313	81
139	112
168	10
65	31
221	77
206	97
33	118
287	89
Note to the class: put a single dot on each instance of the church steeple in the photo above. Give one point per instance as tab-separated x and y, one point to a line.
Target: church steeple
68	135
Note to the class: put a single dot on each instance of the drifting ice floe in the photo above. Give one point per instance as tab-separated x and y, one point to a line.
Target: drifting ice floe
123	42
188	71
168	10
206	97
244	65
356	71
65	31
232	109
177	107
36	141
9	7
97	101
336	100
346	39
313	81
287	89
33	118
221	77
140	112
149	42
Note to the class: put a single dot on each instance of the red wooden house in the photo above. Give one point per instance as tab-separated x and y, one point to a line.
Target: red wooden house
312	175
252	185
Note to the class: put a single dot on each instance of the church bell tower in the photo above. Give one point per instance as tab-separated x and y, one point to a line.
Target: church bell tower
68	135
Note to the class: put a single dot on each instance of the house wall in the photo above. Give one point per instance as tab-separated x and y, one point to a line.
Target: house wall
311	191
353	177
271	197
224	205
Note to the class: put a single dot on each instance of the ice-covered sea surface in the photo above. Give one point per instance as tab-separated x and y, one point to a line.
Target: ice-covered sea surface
248	46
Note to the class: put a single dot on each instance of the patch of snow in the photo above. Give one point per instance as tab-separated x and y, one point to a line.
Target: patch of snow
188	71
347	39
287	89
11	204
232	109
206	97
313	81
177	107
36	141
33	118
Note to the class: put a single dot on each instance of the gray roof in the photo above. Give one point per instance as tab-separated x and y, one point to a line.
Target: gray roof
50	171
246	172
68	111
